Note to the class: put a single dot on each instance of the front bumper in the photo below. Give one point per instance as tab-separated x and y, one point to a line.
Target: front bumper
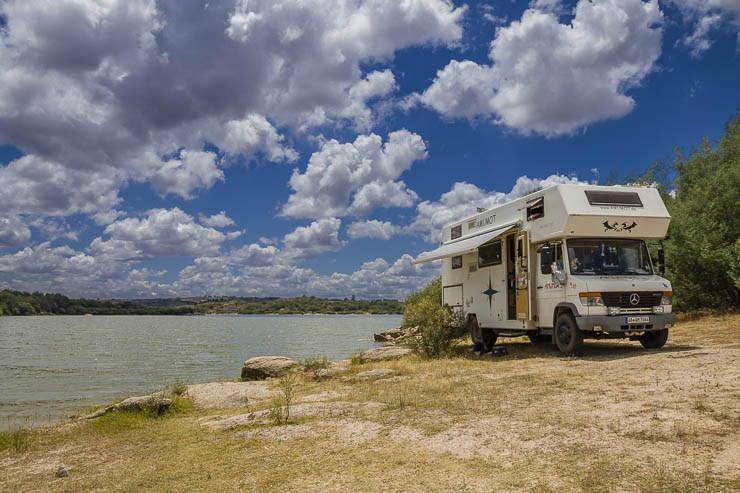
618	323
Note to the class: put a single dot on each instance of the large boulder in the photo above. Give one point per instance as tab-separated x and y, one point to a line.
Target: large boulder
384	353
263	367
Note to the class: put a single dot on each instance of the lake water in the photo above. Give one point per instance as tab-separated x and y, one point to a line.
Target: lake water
53	366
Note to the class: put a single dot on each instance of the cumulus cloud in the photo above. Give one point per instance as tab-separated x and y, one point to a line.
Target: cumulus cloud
117	87
250	135
707	16
379	230
463	199
46	268
355	177
193	170
30	185
220	220
309	241
162	233
550	78
13	232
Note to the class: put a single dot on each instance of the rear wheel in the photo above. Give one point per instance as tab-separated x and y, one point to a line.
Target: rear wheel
568	336
488	338
655	339
536	338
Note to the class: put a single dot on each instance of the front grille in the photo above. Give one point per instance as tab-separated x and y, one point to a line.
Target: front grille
622	299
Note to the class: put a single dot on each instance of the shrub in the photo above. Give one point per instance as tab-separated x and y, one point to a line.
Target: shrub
431	294
439	325
280	411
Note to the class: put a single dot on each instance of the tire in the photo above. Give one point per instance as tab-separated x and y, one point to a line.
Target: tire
489	339
655	339
536	338
476	334
568	336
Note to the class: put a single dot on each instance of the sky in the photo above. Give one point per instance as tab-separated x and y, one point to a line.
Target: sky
161	148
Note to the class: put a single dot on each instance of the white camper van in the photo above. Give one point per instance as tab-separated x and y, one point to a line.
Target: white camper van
565	263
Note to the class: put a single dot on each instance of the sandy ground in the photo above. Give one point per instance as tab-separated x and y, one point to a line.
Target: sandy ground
621	418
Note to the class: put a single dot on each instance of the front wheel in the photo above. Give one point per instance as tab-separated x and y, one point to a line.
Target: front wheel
568	336
655	339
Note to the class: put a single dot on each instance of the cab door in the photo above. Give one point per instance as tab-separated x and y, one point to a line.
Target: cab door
550	292
522	276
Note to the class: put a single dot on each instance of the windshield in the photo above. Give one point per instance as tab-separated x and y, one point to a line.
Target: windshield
608	257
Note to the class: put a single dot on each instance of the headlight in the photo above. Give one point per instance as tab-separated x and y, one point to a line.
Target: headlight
591	299
667	298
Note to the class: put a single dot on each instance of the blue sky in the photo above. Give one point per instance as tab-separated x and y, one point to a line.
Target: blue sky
270	147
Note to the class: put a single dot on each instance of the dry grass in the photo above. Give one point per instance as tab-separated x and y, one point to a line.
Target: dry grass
621	418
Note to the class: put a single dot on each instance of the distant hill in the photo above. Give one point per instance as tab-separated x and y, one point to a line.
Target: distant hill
22	303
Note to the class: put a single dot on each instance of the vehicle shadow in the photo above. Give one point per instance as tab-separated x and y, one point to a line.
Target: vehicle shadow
592	350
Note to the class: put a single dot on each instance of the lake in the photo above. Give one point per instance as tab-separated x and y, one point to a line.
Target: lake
53	366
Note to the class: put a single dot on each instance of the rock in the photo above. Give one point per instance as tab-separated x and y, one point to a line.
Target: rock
62	472
381	338
371	374
328	372
263	367
383	353
220	395
394	333
146	402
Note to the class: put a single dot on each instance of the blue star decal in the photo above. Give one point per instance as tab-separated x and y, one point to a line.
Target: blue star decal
490	291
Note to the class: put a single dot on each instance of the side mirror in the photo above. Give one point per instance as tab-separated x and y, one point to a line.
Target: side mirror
661	261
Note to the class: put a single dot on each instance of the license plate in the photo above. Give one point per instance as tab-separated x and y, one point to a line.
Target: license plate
638	320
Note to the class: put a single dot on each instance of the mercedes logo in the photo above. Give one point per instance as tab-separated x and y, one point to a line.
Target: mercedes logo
634	298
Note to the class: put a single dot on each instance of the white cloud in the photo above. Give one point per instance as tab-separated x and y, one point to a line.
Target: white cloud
13	232
115	86
377	265
54	229
551	78
373	229
220	220
51	269
30	185
707	16
463	199
250	135
377	84
309	241
162	233
193	170
355	177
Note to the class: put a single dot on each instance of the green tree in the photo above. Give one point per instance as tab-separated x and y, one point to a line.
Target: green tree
703	243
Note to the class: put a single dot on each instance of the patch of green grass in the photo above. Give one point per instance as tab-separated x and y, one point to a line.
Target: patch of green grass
17	439
116	421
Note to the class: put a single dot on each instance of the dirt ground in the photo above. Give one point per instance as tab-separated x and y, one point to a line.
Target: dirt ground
621	418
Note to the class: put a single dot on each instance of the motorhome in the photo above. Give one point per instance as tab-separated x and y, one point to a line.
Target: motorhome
561	264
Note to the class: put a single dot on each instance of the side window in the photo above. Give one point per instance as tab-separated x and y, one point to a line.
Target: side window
456	232
457	262
489	254
550	256
536	209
